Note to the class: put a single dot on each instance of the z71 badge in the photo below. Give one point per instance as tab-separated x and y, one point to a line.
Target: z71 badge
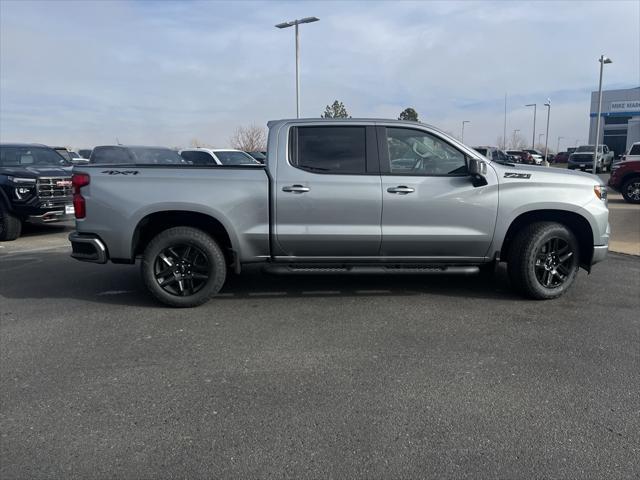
517	175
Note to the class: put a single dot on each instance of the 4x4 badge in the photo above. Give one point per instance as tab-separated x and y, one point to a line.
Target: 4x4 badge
121	172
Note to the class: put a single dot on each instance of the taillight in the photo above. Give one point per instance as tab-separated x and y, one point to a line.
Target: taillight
79	180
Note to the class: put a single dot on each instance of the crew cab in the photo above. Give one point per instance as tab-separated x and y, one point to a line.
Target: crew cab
35	186
342	196
582	158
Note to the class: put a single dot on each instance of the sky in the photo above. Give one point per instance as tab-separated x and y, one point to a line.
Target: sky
86	73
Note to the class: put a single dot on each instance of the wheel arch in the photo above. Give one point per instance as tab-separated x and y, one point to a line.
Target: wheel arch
154	223
575	222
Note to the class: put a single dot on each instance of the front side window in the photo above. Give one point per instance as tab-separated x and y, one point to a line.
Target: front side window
339	149
414	152
635	150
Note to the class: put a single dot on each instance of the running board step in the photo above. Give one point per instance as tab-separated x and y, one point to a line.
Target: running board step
373	269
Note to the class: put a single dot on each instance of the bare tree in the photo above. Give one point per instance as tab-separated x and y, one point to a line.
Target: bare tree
249	139
196	143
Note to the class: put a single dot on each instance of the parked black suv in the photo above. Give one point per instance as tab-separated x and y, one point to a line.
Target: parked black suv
35	185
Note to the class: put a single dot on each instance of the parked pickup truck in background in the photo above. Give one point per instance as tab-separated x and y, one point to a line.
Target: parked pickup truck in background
582	158
35	186
352	196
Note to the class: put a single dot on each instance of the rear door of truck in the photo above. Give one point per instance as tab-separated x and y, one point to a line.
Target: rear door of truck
327	191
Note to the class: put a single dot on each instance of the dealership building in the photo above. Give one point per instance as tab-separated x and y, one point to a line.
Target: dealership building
620	125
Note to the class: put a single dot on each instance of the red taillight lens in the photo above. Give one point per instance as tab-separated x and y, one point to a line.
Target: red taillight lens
79	180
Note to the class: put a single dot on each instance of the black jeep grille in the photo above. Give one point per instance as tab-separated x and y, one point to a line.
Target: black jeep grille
54	187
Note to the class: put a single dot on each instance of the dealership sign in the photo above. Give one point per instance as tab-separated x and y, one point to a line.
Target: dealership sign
626	106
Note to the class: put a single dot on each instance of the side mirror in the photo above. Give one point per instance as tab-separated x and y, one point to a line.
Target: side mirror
477	172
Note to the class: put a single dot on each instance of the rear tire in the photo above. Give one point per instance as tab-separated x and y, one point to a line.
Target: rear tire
631	190
10	225
183	267
543	260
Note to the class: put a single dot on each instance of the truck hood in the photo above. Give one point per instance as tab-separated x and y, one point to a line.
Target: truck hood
546	175
37	171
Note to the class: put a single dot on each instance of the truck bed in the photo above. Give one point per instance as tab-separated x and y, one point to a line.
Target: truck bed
119	198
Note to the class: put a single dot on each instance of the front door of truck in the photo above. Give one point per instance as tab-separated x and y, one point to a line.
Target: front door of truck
430	207
328	200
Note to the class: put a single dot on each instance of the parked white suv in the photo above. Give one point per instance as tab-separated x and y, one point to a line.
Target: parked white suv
210	157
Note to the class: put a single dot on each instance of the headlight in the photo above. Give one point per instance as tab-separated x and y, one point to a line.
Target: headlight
20	180
601	192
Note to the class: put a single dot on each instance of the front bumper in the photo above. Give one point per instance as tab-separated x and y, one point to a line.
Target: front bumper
599	253
51	216
88	248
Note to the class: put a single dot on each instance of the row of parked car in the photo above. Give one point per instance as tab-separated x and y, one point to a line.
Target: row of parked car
528	156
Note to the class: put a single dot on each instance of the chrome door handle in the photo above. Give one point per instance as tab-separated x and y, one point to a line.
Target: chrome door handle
295	189
401	189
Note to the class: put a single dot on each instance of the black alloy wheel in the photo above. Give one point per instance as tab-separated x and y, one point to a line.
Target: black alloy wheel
182	269
554	262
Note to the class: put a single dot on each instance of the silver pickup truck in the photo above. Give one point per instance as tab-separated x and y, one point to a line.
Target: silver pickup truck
350	196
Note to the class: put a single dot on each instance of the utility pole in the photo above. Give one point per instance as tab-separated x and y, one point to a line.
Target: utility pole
535	106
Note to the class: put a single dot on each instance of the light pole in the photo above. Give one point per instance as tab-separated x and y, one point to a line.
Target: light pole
603	59
535	106
295	23
558	147
462	136
546	138
515	132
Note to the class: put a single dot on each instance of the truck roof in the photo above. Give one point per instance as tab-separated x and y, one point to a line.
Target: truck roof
347	120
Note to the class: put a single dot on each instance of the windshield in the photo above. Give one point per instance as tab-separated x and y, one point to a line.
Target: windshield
30	156
588	148
156	156
236	158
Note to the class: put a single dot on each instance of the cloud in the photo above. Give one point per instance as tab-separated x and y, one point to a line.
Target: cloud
84	73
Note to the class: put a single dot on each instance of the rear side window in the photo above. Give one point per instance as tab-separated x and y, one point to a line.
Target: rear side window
198	158
635	150
340	150
110	155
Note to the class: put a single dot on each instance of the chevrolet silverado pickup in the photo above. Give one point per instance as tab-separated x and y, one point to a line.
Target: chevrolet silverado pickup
35	186
582	158
341	196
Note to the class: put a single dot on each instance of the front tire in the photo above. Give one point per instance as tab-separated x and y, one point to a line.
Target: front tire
631	190
10	225
183	267
543	260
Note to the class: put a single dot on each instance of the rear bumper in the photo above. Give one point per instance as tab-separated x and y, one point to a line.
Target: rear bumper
88	248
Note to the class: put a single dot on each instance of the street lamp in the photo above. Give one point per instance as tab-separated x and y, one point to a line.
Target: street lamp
603	59
535	106
558	147
462	136
295	23
546	138
515	133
